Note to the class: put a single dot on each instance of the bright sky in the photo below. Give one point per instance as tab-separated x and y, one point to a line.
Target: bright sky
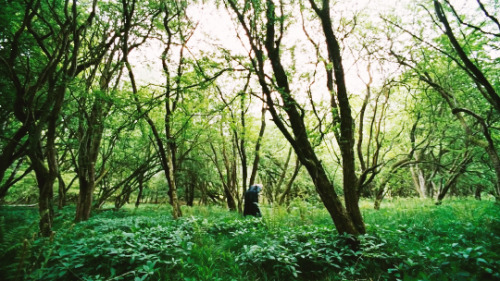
216	28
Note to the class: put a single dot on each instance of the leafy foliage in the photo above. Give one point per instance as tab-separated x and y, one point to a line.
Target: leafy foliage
16	228
408	240
451	242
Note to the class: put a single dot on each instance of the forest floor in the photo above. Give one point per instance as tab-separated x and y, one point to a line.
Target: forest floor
408	239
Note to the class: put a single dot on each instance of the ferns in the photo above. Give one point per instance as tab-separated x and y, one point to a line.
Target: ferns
17	231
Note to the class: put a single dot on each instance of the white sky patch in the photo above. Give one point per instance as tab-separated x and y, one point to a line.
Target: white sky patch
216	29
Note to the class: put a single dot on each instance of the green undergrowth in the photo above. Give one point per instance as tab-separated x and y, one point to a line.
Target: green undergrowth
407	239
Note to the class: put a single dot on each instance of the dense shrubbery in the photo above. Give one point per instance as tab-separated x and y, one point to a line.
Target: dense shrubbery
410	241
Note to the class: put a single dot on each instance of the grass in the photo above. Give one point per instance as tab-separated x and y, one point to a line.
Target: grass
408	239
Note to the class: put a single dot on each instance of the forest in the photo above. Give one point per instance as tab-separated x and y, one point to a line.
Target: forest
131	130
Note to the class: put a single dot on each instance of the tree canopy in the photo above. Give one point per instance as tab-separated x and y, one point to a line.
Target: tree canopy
191	102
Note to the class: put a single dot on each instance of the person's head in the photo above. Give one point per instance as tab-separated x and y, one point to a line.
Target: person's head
256	187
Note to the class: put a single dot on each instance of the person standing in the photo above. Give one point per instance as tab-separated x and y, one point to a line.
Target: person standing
251	207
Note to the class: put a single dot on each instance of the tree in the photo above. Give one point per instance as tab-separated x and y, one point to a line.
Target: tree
94	105
346	219
459	69
48	42
485	87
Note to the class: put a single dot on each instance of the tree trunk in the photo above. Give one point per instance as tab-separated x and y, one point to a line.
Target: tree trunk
174	200
45	182
45	176
489	147
379	196
231	203
233	172
85	196
203	196
90	136
326	191
495	160
190	188
61	192
86	179
477	192
242	151
455	172
470	68
277	191
141	189
286	193
341	105
419	181
230	186
382	190
190	195
227	180
45	203
255	165
299	140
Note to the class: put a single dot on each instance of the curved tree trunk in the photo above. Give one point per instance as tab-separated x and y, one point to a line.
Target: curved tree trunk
298	138
471	69
255	165
340	106
455	172
286	194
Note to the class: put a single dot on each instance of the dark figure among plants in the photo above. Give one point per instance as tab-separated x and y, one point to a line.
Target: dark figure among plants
252	201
